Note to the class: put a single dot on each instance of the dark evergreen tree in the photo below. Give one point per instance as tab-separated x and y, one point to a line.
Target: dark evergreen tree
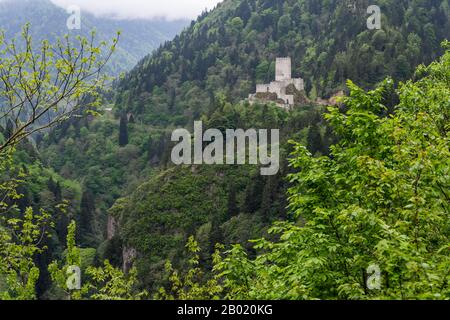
55	188
232	207
253	191
26	199
216	235
328	140
314	139
113	252
123	130
87	214
244	11
44	282
269	195
62	222
9	129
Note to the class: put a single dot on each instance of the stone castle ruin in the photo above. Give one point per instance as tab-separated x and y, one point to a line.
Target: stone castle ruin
277	90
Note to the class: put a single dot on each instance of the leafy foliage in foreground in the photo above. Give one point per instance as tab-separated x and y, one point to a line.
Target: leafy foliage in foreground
99	283
219	58
379	199
34	84
189	286
382	198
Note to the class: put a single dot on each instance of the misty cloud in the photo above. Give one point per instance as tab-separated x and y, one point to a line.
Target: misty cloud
129	9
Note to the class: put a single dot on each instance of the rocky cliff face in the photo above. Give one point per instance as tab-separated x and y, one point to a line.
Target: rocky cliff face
129	254
112	227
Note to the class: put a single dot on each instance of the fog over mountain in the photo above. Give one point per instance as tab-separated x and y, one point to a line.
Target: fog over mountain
132	9
138	36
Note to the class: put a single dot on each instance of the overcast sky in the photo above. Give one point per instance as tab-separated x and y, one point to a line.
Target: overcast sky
170	9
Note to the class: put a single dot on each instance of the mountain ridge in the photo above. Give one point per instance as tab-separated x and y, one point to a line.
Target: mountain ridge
234	46
47	21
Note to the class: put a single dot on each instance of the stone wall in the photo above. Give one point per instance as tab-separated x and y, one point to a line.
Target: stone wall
299	84
287	98
261	88
282	81
283	69
277	87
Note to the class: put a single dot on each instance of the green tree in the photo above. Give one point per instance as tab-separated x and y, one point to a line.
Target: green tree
232	207
110	283
41	87
284	24
403	67
192	285
380	202
314	139
87	213
100	283
62	275
47	85
123	130
19	244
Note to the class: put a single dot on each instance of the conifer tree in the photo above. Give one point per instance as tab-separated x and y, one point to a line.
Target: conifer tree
123	130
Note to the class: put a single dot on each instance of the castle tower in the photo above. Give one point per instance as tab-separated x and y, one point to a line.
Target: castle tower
283	69
283	79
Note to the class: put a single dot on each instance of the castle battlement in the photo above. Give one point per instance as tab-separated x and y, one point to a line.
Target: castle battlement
283	69
283	79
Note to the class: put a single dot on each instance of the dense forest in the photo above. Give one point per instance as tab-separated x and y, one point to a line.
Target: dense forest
363	182
234	47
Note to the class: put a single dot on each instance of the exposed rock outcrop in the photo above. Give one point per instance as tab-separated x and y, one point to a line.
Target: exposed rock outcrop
112	227
128	256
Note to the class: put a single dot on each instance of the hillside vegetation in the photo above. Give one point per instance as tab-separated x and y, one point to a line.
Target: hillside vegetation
48	21
234	47
361	183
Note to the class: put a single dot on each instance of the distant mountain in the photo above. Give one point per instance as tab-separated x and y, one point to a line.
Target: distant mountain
138	38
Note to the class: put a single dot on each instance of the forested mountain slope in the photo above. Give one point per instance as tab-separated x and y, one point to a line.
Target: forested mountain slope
204	73
234	47
138	38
